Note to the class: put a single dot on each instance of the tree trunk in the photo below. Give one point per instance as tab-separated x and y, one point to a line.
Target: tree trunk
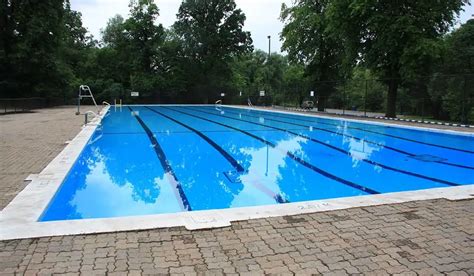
437	108
321	104
391	110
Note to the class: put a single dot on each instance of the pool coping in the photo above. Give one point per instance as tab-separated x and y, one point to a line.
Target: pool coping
18	219
362	120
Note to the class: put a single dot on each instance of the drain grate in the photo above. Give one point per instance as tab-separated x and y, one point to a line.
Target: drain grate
428	158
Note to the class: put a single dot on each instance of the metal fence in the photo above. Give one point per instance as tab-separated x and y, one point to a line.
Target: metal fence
436	98
448	98
15	105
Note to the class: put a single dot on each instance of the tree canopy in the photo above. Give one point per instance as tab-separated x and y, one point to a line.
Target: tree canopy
353	53
308	41
212	34
393	38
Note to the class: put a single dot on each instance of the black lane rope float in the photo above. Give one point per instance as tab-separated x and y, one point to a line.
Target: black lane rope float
279	198
224	153
340	150
289	154
351	136
362	129
163	160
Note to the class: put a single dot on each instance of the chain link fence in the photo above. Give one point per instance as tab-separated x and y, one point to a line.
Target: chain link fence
16	105
444	98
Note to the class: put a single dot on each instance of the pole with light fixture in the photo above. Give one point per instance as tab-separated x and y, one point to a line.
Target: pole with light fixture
269	45
268	62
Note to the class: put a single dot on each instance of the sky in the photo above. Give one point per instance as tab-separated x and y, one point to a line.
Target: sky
262	16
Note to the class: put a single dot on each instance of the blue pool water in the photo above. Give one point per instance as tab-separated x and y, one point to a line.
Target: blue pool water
166	159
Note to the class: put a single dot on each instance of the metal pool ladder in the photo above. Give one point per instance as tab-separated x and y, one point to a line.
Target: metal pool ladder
118	104
85	92
249	102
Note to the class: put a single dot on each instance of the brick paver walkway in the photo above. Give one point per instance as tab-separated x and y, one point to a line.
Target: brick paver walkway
29	141
424	237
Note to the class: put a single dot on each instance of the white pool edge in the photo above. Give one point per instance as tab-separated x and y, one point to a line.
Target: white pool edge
18	220
361	120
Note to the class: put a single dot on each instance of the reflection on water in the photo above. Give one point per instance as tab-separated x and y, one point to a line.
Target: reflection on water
120	184
358	149
119	173
114	176
265	169
102	197
115	187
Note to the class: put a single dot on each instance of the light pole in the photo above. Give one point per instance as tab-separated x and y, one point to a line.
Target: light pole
268	83
269	45
268	63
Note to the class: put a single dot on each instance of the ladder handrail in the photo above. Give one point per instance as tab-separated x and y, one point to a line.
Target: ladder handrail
91	112
119	105
218	102
87	89
86	121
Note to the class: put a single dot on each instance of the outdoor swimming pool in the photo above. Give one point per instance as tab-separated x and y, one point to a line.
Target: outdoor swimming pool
166	159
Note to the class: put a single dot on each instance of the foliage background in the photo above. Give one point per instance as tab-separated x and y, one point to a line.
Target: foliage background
393	57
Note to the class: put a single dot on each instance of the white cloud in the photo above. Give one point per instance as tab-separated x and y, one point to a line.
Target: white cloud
467	14
96	13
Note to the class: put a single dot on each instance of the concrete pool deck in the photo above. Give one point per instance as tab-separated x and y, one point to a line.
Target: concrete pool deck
426	236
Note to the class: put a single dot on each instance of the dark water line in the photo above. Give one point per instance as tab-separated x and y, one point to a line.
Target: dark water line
292	156
353	137
224	153
163	160
449	183
277	197
296	117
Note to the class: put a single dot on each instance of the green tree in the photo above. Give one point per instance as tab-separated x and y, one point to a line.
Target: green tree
362	92
7	42
254	72
307	41
144	39
31	36
451	87
392	37
211	33
114	59
459	54
171	65
248	72
296	84
136	45
114	33
75	46
144	36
